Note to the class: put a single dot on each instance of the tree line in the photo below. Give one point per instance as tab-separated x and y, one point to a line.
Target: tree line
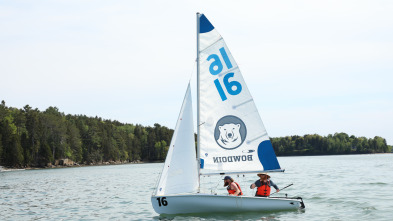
29	137
33	138
339	143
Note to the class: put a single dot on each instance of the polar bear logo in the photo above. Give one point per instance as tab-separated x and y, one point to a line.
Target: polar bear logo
230	132
230	136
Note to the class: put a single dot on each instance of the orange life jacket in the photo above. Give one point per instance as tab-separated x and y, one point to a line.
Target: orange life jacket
230	191
264	189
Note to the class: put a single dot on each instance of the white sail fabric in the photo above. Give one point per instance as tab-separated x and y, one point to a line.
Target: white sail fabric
232	135
180	173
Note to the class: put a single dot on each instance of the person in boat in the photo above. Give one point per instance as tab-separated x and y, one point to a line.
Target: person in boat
264	185
232	186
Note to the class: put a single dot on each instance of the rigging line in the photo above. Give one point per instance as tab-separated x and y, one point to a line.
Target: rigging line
219	181
243	182
211	184
155	190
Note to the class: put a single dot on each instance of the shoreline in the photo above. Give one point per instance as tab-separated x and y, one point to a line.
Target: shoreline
8	169
318	155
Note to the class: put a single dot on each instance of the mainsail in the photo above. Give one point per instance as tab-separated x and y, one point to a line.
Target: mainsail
180	174
232	135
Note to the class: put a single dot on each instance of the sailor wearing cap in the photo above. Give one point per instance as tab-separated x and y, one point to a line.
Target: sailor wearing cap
264	185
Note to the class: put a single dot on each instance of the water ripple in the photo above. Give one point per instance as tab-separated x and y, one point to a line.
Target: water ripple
330	186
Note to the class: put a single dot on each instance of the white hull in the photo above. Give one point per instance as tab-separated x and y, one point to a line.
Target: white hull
204	203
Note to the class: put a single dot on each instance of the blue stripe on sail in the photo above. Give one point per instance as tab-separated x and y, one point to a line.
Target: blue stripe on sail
204	24
202	163
267	156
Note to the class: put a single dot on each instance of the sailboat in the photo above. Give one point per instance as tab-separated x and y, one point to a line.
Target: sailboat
231	138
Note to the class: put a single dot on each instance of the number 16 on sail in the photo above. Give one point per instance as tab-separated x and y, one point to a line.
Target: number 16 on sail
232	87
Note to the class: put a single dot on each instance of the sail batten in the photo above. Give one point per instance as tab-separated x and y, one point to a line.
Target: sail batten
226	72
208	46
232	136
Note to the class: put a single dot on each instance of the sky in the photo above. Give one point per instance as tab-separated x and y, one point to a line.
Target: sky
312	66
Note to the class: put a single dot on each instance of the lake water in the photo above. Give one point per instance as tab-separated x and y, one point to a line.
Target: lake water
352	187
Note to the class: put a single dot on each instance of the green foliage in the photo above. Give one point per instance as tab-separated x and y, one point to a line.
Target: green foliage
339	143
1	147
29	137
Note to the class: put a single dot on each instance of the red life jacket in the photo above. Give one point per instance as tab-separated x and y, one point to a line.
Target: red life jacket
230	191
264	189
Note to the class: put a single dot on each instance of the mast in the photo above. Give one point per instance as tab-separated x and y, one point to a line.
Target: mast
198	108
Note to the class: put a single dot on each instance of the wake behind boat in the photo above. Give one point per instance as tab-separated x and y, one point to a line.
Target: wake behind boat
231	138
